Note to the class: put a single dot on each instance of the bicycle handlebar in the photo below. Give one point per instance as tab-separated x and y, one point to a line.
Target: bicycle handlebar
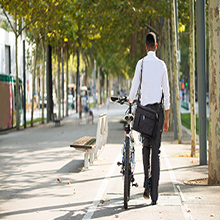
121	100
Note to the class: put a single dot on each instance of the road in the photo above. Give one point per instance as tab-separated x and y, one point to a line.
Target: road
33	160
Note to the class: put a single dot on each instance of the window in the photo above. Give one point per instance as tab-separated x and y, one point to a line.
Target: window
7	60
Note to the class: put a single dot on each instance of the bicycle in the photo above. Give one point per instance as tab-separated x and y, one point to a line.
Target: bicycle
128	151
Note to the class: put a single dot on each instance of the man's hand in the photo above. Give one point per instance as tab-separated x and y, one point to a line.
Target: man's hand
166	121
128	101
166	125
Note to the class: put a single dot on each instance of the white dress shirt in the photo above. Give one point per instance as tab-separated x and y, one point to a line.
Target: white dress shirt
154	80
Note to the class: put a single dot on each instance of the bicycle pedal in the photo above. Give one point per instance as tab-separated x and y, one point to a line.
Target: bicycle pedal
135	184
119	163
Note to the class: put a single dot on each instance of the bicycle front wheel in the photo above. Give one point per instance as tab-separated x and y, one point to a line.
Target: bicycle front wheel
127	173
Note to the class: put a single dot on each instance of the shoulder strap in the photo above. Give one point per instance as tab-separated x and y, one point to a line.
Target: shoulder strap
162	98
139	89
141	73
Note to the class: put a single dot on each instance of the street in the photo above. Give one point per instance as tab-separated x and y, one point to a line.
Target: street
41	177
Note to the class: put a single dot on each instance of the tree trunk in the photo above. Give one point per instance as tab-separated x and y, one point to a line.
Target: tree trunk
86	74
99	86
214	93
62	87
58	80
143	41
43	79
134	43
17	79
192	78
67	79
169	70
176	77
78	99
33	83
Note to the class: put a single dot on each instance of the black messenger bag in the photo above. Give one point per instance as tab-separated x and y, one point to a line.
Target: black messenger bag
145	120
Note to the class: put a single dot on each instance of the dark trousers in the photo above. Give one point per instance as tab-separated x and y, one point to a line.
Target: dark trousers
151	145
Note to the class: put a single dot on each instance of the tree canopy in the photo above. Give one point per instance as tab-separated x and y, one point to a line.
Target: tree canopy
112	32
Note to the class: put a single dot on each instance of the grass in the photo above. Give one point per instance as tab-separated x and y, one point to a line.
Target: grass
186	122
35	121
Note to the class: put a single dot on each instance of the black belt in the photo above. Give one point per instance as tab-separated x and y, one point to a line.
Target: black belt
155	105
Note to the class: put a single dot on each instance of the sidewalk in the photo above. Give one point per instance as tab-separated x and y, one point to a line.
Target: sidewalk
32	160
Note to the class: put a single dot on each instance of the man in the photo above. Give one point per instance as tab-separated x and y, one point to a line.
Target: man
154	83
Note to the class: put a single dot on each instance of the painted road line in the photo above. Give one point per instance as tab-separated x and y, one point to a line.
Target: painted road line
101	191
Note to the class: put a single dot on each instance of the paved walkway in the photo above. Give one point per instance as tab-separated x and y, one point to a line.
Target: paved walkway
32	160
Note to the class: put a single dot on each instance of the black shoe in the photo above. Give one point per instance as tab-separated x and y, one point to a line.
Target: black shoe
153	202
146	193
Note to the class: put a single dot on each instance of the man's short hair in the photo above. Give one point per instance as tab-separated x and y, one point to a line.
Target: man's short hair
151	40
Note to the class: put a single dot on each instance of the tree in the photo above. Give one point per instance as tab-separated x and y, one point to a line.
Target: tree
176	78
19	10
214	93
4	25
114	30
169	69
192	78
17	33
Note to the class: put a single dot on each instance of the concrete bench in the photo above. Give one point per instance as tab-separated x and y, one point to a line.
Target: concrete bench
92	146
55	119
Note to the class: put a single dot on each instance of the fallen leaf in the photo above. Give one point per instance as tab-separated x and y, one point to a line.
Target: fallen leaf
5	163
191	161
188	210
116	216
59	180
68	182
212	215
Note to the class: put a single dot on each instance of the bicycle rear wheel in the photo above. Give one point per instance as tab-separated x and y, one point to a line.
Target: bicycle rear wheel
127	173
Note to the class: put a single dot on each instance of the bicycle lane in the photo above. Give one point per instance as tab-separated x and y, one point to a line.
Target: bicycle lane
110	204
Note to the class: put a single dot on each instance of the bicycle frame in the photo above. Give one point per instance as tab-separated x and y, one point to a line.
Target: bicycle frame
128	152
128	134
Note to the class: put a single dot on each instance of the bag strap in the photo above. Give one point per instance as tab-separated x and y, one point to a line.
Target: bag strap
141	73
162	98
139	89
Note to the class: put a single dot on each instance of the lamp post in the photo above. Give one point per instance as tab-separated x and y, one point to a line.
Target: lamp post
201	63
